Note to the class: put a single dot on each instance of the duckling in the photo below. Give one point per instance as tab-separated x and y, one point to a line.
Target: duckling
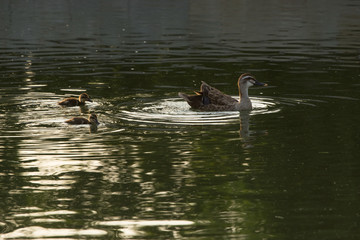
211	99
71	102
80	120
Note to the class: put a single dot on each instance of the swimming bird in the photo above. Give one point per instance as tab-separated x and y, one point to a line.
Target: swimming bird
212	99
80	120
71	102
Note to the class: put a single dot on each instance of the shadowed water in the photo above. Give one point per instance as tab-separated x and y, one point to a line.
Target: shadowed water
154	168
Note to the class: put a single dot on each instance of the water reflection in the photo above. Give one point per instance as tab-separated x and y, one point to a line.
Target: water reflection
141	165
143	159
133	228
40	233
244	125
154	168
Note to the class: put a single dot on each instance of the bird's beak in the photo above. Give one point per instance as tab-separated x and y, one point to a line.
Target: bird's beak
90	100
257	83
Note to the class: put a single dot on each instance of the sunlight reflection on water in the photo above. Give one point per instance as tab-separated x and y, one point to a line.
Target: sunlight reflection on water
40	232
130	228
131	178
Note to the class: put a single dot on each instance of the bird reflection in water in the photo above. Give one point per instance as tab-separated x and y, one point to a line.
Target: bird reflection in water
92	121
244	125
246	135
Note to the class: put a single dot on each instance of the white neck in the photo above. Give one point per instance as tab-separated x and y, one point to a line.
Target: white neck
244	101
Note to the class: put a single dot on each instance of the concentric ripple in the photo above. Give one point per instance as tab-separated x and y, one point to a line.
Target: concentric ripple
177	111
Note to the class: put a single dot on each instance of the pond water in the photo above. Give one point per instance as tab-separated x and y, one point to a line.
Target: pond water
156	169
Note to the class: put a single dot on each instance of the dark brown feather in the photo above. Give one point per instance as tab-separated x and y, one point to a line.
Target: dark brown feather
70	102
216	96
195	101
78	120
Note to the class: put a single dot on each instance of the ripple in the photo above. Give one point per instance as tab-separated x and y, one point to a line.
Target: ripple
40	232
176	111
42	214
131	228
142	223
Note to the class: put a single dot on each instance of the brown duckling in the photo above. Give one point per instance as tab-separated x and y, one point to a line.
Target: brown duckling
211	99
80	120
71	102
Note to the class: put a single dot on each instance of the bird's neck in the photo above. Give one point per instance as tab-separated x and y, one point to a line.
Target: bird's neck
243	94
244	100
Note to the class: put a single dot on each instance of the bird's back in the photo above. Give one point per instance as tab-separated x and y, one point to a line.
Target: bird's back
69	102
78	120
215	96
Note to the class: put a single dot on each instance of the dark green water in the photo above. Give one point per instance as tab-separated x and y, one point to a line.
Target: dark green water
155	169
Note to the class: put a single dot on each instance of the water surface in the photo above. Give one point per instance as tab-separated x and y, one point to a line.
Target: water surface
154	168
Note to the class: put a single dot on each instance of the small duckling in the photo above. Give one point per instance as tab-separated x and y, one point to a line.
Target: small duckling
71	102
80	120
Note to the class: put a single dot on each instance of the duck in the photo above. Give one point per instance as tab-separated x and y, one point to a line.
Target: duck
71	102
212	99
92	120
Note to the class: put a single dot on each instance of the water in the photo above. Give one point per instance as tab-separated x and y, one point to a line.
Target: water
154	168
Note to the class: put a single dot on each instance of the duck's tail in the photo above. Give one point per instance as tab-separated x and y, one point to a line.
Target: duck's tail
184	96
195	101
